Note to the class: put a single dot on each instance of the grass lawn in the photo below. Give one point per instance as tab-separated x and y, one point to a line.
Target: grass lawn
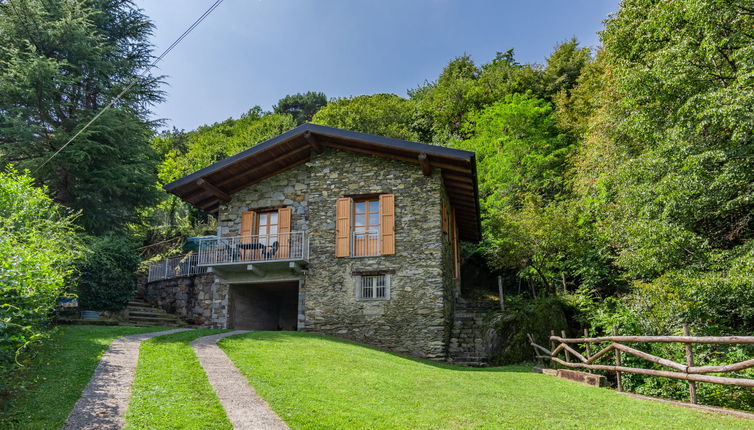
317	382
171	390
54	380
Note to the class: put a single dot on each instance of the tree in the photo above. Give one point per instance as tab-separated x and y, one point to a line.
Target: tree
519	150
38	247
381	114
301	107
564	66
61	63
186	152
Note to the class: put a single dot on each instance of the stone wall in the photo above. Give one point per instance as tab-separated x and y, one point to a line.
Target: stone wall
287	189
417	317
469	343
413	320
197	299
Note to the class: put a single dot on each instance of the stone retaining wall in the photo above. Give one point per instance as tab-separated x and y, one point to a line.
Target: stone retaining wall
196	299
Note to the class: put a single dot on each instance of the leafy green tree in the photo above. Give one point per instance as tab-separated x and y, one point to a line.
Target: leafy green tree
38	247
381	114
61	63
519	150
301	106
107	275
186	152
564	67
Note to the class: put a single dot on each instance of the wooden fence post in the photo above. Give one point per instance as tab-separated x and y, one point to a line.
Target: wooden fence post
552	342
588	351
567	354
619	382
690	363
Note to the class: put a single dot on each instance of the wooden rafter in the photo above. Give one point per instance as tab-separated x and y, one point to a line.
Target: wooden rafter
424	163
312	141
217	192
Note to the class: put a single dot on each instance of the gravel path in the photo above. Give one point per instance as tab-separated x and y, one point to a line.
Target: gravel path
245	409
104	401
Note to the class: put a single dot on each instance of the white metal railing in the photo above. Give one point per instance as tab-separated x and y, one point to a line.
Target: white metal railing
365	243
175	267
256	248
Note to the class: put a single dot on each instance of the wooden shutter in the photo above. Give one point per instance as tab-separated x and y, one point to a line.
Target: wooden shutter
387	224
248	228
456	249
444	216
284	233
343	227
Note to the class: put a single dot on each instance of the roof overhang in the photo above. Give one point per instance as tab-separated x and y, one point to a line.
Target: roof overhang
209	187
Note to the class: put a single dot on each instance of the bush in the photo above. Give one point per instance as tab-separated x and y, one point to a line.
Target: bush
536	317
38	245
107	275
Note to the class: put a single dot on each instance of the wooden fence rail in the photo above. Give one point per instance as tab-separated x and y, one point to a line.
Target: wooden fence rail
687	371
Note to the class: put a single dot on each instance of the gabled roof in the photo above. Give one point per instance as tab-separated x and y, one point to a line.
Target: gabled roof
210	186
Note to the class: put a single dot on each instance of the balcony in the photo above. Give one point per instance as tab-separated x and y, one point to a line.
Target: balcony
365	243
185	265
248	250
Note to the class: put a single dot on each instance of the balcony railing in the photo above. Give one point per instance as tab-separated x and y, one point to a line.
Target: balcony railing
365	243
175	267
216	251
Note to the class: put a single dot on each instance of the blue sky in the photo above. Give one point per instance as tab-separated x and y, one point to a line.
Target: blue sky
253	52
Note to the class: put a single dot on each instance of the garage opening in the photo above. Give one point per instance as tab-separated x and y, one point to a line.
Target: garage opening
268	306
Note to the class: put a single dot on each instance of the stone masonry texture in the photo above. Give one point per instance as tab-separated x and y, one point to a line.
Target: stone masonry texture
417	317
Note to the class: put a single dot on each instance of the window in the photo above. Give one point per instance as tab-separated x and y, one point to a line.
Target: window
268	225
366	227
373	287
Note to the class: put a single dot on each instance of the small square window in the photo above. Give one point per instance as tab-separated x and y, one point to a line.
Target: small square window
373	287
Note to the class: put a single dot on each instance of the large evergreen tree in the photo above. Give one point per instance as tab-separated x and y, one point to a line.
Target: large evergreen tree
60	63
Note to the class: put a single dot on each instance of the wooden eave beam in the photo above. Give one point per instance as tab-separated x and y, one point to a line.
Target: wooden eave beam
312	141
291	157
424	163
394	156
209	187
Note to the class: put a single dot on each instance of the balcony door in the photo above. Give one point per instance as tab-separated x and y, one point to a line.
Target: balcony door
366	227
267	231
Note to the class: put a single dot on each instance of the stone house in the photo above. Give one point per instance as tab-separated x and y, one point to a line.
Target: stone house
332	231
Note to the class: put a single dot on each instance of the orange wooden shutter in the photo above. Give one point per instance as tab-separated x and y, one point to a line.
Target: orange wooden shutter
248	228
247	223
284	232
343	227
387	224
444	216
456	249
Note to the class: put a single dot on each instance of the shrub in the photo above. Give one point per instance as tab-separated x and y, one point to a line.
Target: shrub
107	274
536	317
38	245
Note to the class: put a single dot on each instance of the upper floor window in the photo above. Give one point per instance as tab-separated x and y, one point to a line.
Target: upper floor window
365	226
267	227
365	237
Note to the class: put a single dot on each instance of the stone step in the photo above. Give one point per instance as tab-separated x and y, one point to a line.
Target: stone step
149	313
143	309
138	303
173	320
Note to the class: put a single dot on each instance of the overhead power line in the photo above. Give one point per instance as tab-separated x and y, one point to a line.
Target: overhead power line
133	82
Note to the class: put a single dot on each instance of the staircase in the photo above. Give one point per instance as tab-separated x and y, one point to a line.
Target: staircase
468	341
140	313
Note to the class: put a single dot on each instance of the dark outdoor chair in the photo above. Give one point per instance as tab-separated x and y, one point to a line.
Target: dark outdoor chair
271	251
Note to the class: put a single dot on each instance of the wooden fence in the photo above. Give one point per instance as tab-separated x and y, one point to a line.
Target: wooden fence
616	345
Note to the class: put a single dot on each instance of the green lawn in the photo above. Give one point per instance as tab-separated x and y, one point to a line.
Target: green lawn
317	382
54	380
171	390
